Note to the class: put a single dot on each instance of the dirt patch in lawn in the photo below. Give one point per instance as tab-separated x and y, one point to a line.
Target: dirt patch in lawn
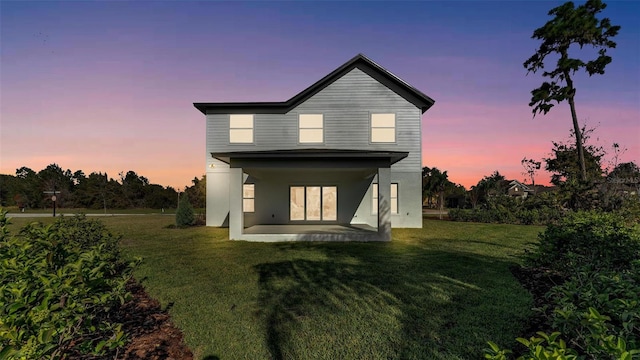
153	335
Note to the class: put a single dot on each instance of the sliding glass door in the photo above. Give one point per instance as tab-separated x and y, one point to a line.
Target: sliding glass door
313	203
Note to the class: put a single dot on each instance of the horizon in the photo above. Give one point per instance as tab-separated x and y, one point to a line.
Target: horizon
110	86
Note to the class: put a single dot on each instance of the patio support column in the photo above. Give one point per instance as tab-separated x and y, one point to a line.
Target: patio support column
236	216
384	203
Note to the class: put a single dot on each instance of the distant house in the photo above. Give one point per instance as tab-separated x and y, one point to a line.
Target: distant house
340	160
519	190
512	188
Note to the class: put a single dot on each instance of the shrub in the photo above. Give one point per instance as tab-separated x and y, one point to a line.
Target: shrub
594	308
592	240
598	308
591	333
552	347
541	347
630	209
184	214
505	215
58	284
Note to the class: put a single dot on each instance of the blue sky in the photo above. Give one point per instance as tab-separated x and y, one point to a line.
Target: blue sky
108	86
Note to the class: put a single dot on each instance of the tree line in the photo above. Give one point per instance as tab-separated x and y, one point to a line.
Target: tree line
609	183
28	189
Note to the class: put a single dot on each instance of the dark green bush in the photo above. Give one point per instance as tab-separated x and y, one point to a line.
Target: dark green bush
184	214
540	347
599	254
585	241
544	346
616	296
58	283
630	208
507	210
597	310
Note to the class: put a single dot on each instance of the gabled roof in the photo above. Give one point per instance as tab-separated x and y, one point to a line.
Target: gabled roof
514	183
360	61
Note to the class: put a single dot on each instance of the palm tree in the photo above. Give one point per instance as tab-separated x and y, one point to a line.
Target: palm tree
435	182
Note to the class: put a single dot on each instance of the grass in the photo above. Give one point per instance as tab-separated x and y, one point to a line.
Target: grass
439	292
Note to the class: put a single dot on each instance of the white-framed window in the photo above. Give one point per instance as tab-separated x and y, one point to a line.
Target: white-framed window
393	201
240	129
313	203
310	128
248	198
374	198
394	198
383	128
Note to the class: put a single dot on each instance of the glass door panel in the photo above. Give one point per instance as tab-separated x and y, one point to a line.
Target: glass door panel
329	203
297	203
313	203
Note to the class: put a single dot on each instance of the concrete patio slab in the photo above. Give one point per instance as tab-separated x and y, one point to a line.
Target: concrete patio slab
335	232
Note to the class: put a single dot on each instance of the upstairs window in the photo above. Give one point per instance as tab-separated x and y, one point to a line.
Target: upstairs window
383	128
241	129
310	128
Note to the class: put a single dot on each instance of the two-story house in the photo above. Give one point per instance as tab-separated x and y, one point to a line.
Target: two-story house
517	189
341	160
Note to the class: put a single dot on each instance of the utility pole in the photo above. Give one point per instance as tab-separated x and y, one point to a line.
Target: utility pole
53	198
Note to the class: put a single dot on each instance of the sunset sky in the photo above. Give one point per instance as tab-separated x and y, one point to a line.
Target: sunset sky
109	86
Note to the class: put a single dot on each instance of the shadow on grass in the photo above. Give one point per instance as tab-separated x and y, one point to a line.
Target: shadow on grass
489	243
376	301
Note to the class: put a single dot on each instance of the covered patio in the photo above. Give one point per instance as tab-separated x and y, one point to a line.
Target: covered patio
276	174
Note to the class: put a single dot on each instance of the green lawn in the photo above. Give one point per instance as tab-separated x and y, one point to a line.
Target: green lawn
439	292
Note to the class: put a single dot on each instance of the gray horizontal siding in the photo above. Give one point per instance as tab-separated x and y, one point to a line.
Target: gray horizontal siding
346	105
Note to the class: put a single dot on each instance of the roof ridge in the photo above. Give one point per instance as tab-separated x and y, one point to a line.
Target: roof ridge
401	87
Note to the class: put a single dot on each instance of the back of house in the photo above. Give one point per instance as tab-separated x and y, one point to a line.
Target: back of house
345	153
